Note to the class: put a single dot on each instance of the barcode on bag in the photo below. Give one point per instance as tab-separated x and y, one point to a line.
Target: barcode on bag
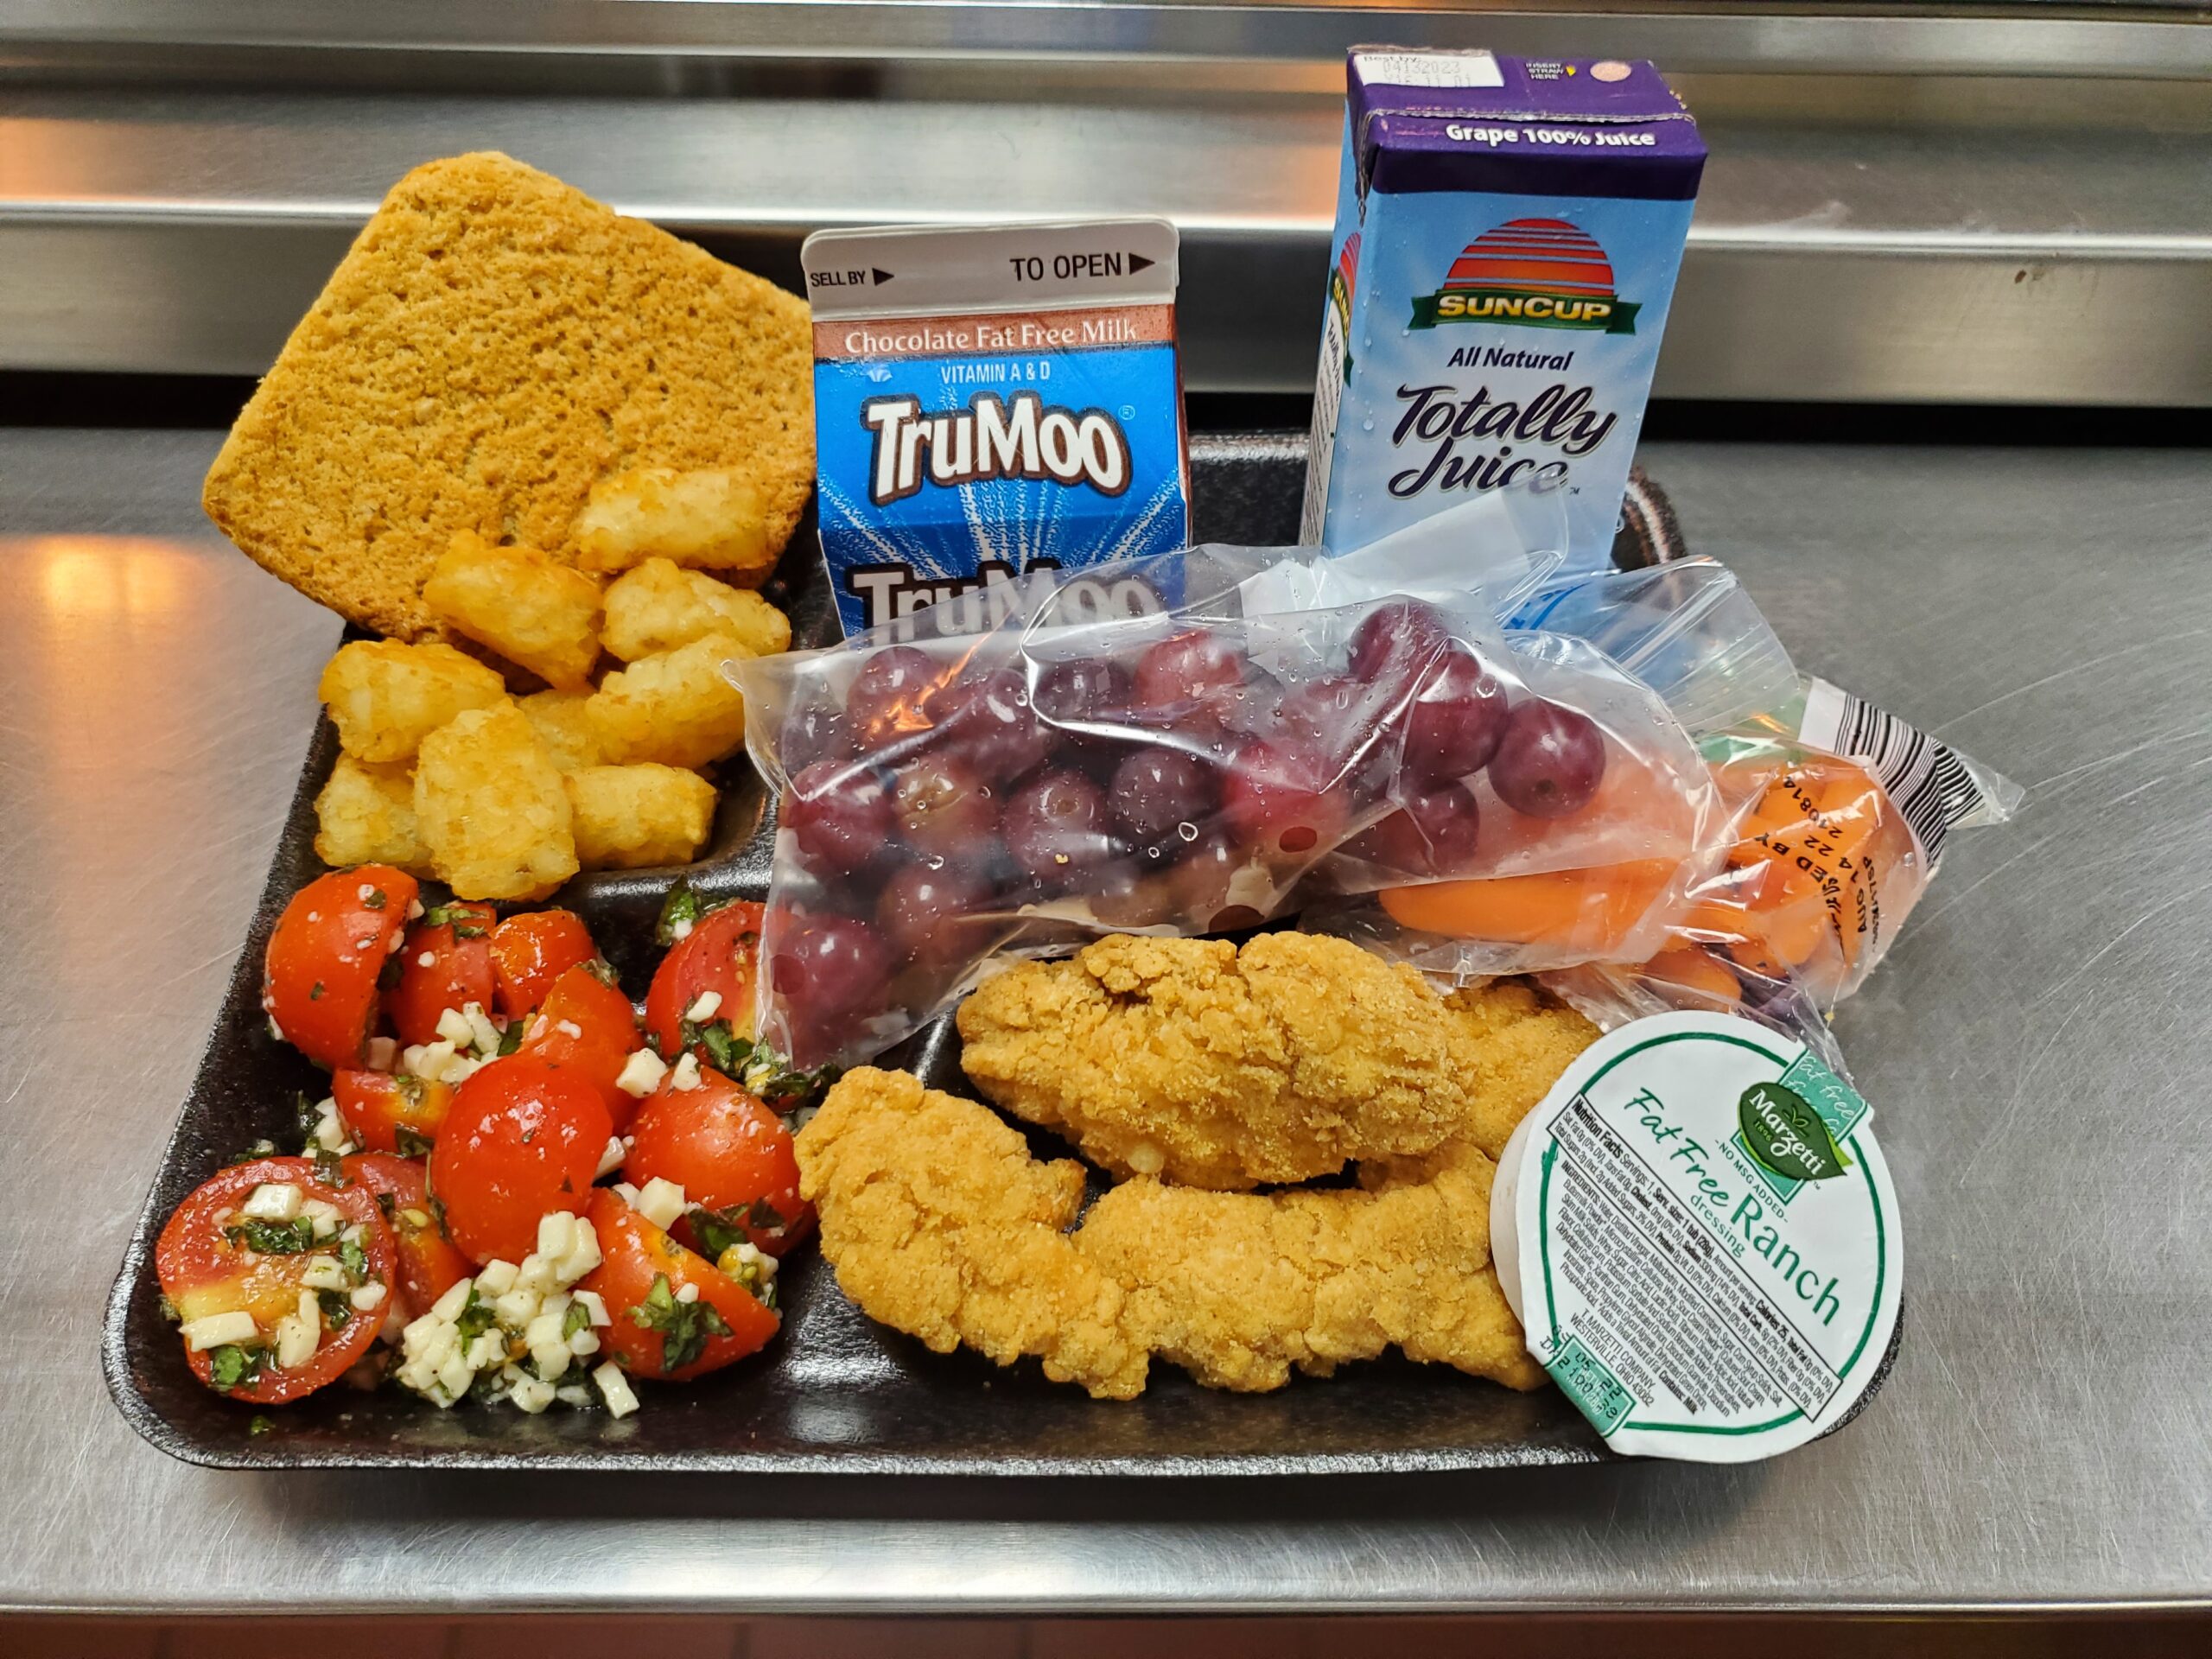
1924	777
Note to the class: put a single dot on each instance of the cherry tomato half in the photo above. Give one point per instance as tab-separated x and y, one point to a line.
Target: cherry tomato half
523	1140
721	954
446	963
529	951
428	1264
379	1107
729	1154
634	1255
329	947
587	1027
206	1270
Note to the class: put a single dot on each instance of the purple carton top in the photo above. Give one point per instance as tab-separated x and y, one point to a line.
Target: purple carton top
1425	119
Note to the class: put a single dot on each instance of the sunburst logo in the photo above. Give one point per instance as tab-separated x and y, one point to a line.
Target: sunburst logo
1530	273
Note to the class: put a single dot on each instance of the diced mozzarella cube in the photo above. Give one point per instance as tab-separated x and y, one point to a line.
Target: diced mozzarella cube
413	910
547	1345
594	1307
556	1233
537	1275
516	1308
428	959
495	1278
584	1342
573	1394
659	1201
382	1052
217	1329
455	1377
686	1072
327	1217
299	1334
366	1299
641	1074
530	1395
614	1389
708	1004
448	1307
272	1201
454	1027
481	1029
324	1272
487	1351
626	1193
583	1257
610	1159
330	1129
688	1293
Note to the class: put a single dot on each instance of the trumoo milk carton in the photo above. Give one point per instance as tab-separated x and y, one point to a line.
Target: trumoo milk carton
1508	234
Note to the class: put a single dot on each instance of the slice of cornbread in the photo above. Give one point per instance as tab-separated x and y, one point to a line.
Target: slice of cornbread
493	344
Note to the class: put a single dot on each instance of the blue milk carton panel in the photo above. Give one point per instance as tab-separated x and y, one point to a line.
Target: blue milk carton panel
1508	235
991	401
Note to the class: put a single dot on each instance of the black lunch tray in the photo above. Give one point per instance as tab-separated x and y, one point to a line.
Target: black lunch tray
834	1392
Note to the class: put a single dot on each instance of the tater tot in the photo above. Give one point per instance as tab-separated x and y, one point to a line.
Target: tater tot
660	606
385	697
531	610
560	719
492	811
709	519
676	706
366	815
630	817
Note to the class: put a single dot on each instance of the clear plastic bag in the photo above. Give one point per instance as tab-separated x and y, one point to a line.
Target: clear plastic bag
1135	748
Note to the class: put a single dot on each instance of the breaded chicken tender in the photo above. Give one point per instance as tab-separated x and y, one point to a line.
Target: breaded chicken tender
1213	1066
940	1223
1238	1287
1510	1045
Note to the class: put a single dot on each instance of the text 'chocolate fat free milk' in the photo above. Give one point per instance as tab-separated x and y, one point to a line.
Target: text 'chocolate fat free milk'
1508	235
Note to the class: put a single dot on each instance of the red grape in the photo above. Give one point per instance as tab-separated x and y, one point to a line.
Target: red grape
1550	761
929	915
1191	680
815	731
1435	833
1278	802
885	701
987	719
1456	719
1081	690
942	806
1056	826
1156	791
840	814
1396	635
1205	877
826	968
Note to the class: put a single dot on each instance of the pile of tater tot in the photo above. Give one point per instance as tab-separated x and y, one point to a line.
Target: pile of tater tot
448	774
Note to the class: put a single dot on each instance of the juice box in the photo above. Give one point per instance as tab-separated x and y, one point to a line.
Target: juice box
1507	238
990	400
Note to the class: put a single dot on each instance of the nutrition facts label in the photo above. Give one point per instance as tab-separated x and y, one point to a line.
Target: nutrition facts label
1698	1233
1658	1285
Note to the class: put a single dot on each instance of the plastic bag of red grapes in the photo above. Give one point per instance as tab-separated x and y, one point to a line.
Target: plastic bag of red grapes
1125	750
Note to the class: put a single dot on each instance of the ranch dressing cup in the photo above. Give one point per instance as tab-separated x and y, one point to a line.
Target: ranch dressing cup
1507	238
1699	1237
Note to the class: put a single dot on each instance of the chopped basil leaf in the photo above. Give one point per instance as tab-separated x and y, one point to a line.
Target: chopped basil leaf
578	1318
681	904
258	1425
411	1143
337	1308
375	900
355	1259
387	1204
715	1233
256	1152
467	923
274	1237
170	1310
438	1214
511	1038
314	992
787	1085
308	1113
603	971
328	1168
475	1318
232	1366
684	1327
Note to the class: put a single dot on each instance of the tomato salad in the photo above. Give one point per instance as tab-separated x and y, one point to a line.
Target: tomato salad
512	1191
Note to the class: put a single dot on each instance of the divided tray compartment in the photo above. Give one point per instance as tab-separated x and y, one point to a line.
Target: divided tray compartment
834	1392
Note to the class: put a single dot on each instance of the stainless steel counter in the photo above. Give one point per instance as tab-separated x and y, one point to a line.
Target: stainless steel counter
2033	1047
